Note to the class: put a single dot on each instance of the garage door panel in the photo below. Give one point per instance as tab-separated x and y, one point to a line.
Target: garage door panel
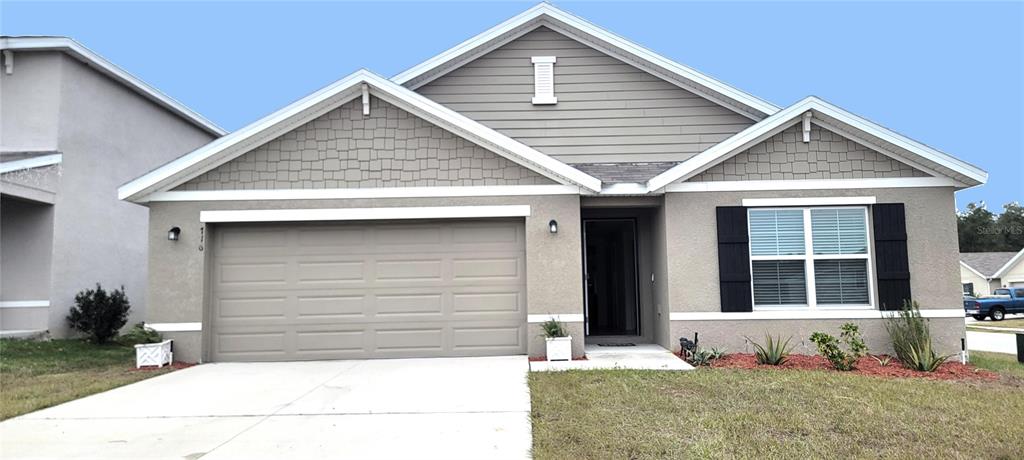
366	290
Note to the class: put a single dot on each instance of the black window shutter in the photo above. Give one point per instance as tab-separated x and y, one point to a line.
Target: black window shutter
733	259
891	261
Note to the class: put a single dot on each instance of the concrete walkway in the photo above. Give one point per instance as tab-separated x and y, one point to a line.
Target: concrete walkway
405	408
992	341
642	356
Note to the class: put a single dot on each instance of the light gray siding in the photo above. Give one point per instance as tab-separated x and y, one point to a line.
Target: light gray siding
607	110
346	149
785	156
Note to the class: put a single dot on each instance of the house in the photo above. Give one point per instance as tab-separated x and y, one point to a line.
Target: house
73	127
545	168
982	272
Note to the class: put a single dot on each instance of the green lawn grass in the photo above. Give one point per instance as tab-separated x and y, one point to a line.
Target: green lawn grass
1011	323
35	375
723	413
999	362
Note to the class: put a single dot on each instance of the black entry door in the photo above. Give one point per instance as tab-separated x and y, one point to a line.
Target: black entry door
610	246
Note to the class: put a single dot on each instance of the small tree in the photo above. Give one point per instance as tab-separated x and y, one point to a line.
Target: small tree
98	314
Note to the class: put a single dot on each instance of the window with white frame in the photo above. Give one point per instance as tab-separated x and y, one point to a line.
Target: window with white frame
810	257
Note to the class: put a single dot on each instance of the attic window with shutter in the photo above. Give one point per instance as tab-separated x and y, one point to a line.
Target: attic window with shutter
544	80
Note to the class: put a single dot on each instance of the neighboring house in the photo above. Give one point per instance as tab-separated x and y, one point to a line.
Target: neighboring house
73	127
545	168
982	272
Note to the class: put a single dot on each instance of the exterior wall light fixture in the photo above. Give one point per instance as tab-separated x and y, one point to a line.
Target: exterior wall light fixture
553	226
173	233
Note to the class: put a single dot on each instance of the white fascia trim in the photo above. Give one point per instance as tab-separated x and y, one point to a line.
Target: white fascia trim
28	163
790	116
176	327
363	193
560	317
809	201
624	189
388	91
1008	265
89	57
807	314
25	304
339	214
811	184
572	21
972	270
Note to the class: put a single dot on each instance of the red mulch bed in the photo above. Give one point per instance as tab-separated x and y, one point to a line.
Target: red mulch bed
175	365
534	359
865	366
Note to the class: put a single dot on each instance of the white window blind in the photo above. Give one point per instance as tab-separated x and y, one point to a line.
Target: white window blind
841	281
544	80
779	282
776	232
839	231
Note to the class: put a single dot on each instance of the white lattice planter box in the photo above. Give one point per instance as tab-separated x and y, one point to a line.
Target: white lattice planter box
153	354
559	348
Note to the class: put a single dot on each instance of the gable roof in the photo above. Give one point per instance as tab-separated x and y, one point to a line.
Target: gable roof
545	14
105	67
310	107
986	264
1018	257
840	121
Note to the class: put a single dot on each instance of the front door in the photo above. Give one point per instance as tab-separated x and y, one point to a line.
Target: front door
610	275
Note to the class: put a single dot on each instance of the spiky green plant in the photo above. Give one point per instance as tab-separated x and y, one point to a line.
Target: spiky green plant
774	352
912	339
553	329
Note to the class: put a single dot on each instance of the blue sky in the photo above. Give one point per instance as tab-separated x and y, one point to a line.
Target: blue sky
946	74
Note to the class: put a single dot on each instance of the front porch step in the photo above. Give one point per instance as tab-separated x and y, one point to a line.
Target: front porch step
641	356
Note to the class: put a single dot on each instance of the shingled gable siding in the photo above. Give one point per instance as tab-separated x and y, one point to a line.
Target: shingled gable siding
607	110
345	149
827	156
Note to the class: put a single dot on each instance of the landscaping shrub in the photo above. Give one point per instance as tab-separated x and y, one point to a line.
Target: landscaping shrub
773	352
99	315
553	329
828	346
912	339
139	333
704	356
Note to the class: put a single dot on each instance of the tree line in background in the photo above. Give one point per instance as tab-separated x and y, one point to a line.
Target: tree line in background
982	231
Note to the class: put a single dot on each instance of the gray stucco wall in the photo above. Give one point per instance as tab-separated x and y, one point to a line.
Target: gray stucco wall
26	236
108	134
346	149
785	156
607	110
177	269
693	262
31	101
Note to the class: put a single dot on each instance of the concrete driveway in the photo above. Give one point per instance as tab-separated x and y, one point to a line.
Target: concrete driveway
402	408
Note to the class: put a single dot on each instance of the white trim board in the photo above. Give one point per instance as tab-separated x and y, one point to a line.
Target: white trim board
359	193
176	327
343	214
820	313
99	63
244	140
24	304
29	163
810	184
792	115
560	317
564	22
809	201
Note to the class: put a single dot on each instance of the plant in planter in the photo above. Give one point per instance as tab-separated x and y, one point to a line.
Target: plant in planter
774	352
828	346
558	341
912	339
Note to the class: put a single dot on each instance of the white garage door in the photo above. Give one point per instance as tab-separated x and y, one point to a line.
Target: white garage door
367	290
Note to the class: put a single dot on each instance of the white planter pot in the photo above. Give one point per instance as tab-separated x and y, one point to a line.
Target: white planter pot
153	354
559	348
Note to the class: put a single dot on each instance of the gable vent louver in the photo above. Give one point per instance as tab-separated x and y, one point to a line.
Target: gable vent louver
544	80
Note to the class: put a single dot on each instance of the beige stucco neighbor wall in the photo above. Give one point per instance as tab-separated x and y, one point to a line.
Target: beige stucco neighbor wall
982	286
177	269
785	156
693	262
1015	275
346	149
